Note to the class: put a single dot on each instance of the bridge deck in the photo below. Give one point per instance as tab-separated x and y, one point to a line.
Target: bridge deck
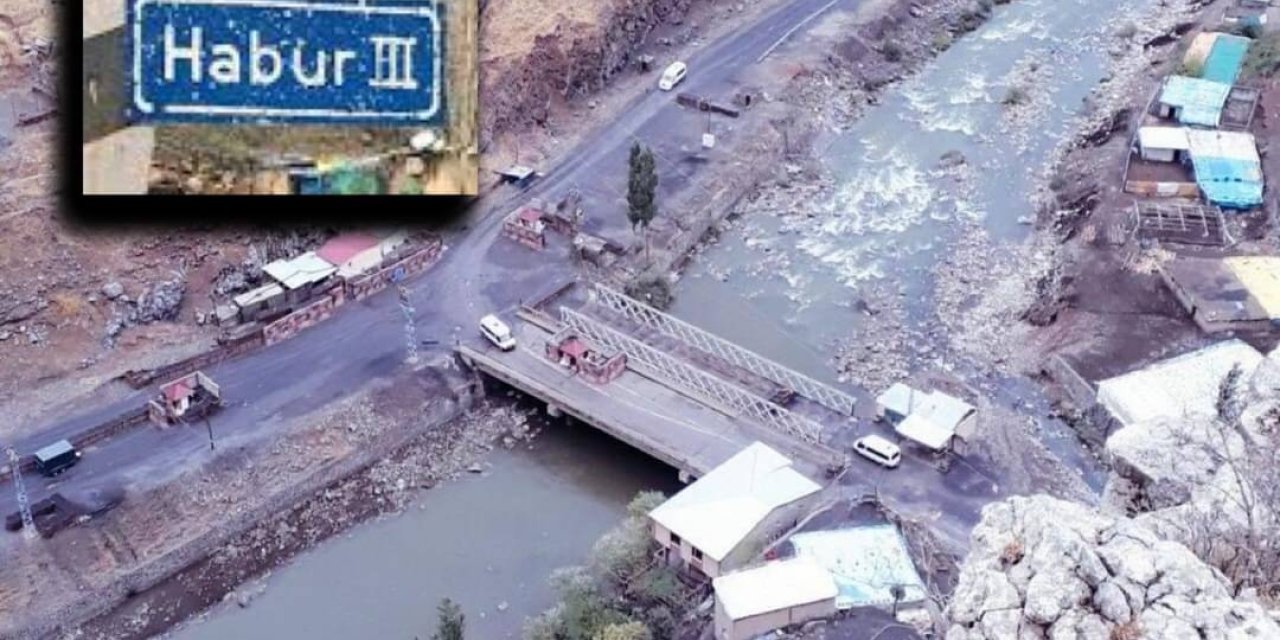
650	416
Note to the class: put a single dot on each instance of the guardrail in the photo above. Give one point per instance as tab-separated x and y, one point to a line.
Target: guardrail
660	366
714	345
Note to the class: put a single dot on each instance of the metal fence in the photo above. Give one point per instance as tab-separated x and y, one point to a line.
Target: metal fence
658	365
714	345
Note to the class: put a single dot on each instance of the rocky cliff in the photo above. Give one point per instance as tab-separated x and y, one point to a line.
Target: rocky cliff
1040	567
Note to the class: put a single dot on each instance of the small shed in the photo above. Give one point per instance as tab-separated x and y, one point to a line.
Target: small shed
778	594
525	225
518	175
596	364
1163	144
256	303
1192	100
932	419
191	396
897	402
299	275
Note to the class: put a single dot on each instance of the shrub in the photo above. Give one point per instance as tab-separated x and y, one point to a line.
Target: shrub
891	51
653	290
941	41
1263	58
1016	95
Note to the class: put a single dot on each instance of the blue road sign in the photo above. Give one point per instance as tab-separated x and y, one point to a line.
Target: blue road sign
319	61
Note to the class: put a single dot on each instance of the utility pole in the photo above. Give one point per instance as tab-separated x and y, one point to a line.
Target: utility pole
411	333
20	490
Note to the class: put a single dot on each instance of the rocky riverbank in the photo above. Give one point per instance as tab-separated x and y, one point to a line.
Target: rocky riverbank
165	555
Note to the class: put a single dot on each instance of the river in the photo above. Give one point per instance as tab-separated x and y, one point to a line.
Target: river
783	285
793	278
483	540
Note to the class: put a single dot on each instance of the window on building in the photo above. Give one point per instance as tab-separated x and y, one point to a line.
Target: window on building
675	539
697	555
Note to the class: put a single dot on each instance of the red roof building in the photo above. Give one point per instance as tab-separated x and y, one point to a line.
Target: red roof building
345	246
176	391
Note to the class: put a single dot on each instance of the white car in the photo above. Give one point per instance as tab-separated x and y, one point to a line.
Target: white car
672	76
878	450
497	332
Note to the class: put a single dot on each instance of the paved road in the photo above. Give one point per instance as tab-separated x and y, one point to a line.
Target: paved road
480	272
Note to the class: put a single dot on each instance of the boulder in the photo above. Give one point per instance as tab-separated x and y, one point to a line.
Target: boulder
1040	567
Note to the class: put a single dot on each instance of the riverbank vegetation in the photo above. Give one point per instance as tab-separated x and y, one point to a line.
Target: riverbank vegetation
622	593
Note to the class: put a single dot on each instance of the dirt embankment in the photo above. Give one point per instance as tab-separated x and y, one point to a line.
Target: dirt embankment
536	58
173	551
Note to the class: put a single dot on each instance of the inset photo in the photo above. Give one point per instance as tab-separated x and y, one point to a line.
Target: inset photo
280	97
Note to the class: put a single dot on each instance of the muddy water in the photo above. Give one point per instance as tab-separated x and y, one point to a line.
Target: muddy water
894	211
483	540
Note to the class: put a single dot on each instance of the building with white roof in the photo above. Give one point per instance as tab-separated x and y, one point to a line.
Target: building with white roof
756	601
707	523
300	271
1162	144
1184	385
931	419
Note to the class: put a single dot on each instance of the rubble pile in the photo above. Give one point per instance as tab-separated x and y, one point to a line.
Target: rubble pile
159	302
1042	567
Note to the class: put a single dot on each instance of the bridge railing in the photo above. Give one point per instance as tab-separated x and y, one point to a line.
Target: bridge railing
671	326
660	366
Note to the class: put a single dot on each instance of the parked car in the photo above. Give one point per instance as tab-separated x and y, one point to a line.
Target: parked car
878	450
56	458
674	73
497	332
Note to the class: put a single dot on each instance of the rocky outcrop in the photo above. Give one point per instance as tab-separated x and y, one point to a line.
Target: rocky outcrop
1040	568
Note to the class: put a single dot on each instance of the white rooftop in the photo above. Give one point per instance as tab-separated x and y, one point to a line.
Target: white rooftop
924	431
1236	145
300	271
1163	138
773	587
720	509
252	297
901	398
931	418
1184	385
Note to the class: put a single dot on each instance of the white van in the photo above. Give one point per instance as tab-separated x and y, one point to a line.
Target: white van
672	76
878	450
497	332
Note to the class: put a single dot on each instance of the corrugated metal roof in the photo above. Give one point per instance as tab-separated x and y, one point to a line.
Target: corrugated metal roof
774	586
300	271
1227	167
1225	58
1163	138
720	509
1199	50
252	297
1260	276
1198	101
866	563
